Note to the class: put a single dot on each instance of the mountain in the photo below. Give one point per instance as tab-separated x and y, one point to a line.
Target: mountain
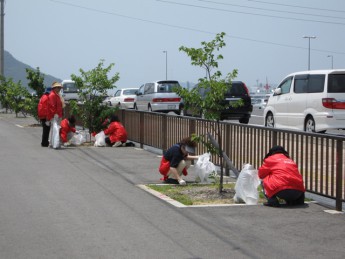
17	71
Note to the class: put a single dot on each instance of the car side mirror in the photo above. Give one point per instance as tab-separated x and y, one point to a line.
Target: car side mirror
277	91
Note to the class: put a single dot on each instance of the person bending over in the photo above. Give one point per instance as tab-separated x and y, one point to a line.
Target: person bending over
176	160
117	134
281	178
67	130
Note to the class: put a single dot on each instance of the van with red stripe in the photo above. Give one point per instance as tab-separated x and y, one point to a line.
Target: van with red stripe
313	101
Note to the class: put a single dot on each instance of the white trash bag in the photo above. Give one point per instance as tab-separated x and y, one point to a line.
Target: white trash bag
246	187
78	139
55	135
204	168
100	139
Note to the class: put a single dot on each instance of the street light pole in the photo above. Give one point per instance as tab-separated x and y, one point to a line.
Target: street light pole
331	56
309	37
2	14
166	64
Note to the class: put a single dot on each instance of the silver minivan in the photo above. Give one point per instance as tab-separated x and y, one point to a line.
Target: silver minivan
313	101
158	96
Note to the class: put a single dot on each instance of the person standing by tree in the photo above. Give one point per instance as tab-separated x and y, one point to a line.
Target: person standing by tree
55	103
55	113
42	112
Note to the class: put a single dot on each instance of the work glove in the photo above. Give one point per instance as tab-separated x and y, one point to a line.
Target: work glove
67	144
47	123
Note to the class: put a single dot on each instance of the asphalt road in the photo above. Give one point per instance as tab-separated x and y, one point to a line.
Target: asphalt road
258	119
84	203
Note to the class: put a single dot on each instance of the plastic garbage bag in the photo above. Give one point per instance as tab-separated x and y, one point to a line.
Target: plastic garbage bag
55	134
246	187
203	168
78	139
100	139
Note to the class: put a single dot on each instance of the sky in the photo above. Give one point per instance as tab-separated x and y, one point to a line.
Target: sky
264	39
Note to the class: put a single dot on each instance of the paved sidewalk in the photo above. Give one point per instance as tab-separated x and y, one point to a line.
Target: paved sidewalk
83	202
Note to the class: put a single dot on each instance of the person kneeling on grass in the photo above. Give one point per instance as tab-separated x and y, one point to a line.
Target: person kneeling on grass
67	130
176	160
117	134
281	178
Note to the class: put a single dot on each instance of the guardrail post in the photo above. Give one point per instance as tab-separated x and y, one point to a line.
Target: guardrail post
142	129
164	135
191	126
339	175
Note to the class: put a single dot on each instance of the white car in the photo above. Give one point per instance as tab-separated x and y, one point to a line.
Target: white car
123	98
313	101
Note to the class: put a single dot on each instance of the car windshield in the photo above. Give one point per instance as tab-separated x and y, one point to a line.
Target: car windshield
167	87
130	92
69	88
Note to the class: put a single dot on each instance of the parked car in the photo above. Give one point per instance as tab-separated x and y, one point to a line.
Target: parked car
313	101
123	98
260	103
236	91
158	96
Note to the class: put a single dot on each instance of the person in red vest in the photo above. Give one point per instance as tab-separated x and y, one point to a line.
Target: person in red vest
67	130
55	103
117	134
42	112
281	178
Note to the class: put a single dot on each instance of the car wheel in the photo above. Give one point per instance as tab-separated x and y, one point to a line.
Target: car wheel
269	121
135	107
244	120
149	108
309	125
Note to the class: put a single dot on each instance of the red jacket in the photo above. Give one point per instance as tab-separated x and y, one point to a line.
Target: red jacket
43	106
55	105
65	129
280	173
116	132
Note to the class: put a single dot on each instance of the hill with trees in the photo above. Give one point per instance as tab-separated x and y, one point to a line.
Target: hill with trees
16	70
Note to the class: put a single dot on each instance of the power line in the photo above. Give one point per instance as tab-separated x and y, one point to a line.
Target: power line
272	10
188	28
255	14
298	6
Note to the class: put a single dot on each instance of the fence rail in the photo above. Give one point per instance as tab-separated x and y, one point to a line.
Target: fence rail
320	157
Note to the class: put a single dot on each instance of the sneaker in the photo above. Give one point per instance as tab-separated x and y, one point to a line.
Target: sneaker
123	144
182	182
117	144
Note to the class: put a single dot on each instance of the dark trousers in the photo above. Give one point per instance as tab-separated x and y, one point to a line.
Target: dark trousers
45	133
291	197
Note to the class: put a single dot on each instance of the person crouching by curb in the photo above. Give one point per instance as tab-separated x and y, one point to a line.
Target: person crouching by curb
117	134
42	112
176	160
281	178
67	130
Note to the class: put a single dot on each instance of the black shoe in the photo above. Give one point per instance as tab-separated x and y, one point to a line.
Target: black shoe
171	181
44	145
276	205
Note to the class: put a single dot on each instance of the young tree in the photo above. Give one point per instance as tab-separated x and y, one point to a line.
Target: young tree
17	96
93	86
212	84
36	83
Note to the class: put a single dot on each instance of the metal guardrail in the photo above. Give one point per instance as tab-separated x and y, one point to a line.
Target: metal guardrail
320	157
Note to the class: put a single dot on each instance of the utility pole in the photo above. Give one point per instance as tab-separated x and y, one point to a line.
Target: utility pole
2	37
